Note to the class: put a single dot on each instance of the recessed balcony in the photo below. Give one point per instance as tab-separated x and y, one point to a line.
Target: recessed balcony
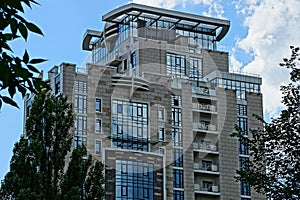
207	190
204	108
205	147
207	169
205	127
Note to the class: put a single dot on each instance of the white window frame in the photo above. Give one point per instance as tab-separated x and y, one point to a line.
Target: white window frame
162	117
163	133
100	148
96	123
100	105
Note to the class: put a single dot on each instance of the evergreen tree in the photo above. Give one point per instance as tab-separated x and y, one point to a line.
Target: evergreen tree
274	167
38	165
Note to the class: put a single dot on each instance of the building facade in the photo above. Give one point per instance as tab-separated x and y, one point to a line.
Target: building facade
157	105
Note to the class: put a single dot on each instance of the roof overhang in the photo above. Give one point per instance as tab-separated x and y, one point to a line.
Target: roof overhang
157	13
87	38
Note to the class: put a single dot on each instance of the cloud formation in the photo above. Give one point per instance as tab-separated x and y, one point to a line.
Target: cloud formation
214	7
273	26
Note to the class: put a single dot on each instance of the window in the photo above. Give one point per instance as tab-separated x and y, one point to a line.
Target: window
98	105
244	163
177	137
178	195
133	60
207	186
125	67
79	141
57	84
176	100
176	64
98	126
162	150
80	103
130	125
241	94
161	114
80	87
243	148
245	188
176	117
206	165
178	178
242	123
80	125
98	147
134	180
241	110
177	157
161	133
195	69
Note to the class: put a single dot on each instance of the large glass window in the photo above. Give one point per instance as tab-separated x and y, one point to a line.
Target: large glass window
176	64
178	195
241	110
176	117
243	148
79	141
80	103
176	100
242	123
134	180
195	68
178	178
177	157
80	87
80	125
130	125
245	188
177	137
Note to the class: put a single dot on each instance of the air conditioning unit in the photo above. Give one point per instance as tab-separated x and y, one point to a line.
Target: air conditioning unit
215	188
214	168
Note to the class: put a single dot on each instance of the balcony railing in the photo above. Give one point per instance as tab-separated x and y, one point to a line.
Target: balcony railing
206	107
210	168
209	188
205	146
205	126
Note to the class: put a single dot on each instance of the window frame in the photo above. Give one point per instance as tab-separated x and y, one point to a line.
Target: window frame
100	125
98	100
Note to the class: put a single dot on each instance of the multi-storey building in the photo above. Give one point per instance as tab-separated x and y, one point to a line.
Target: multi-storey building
157	105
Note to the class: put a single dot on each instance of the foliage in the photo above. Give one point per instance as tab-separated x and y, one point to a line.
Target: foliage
38	165
16	73
275	148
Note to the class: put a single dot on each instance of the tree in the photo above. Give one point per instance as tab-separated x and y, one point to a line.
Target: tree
16	73
275	148
37	168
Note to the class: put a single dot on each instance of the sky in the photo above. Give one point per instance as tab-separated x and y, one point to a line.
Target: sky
260	34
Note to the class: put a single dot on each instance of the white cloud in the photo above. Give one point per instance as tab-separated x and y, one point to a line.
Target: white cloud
215	8
273	25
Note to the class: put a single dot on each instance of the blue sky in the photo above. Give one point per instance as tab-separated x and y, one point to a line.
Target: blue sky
260	35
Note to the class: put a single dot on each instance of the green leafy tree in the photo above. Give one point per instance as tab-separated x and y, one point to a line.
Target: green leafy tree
16	73
38	165
274	167
95	181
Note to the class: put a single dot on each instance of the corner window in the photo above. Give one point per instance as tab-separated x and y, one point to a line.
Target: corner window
98	105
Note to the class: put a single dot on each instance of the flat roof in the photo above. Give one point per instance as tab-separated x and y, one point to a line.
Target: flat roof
177	17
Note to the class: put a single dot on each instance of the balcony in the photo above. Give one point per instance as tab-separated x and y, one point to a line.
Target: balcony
205	127
208	169
207	190
205	147
205	108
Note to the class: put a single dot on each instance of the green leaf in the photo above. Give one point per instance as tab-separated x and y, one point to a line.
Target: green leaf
26	57
37	60
23	30
14	26
32	68
34	28
9	101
